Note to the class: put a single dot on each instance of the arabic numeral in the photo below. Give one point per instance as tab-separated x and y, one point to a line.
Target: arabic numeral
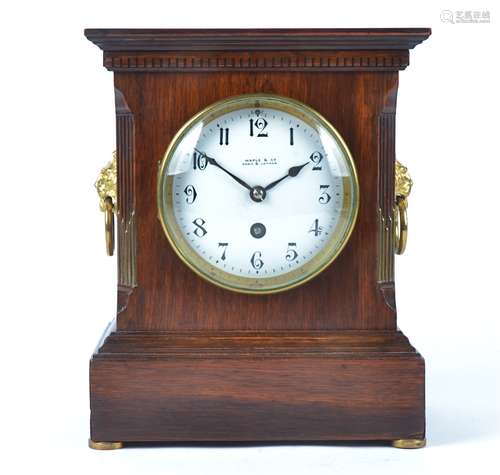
200	161
324	197
200	230
224	246
316	158
258	126
256	261
190	193
291	253
223	136
316	228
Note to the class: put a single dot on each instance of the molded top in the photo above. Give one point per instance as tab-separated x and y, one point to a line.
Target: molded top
257	39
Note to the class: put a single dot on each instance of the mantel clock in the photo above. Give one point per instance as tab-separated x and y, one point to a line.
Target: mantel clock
258	206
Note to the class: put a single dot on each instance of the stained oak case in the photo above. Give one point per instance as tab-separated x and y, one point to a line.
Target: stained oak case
188	361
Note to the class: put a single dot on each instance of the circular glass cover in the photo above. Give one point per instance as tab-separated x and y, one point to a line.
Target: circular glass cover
257	193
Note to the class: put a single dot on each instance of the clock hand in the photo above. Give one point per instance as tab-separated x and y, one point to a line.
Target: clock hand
214	162
292	172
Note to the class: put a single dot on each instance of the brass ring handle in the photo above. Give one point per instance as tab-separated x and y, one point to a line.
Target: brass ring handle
403	184
106	188
109	226
400	225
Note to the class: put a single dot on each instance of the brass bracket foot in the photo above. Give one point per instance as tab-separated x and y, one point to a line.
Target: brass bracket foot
408	443
105	445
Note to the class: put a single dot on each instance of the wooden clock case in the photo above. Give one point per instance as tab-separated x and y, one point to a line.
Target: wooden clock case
186	361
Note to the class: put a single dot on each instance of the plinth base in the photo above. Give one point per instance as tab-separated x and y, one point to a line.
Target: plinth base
257	387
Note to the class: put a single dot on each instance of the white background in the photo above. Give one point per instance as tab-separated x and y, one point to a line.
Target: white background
58	288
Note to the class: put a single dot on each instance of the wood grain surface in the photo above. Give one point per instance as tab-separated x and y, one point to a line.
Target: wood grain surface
257	387
168	295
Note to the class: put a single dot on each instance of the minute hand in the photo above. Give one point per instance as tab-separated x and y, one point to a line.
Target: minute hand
292	172
214	162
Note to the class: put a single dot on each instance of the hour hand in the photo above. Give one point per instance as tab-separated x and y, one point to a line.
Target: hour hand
292	172
214	162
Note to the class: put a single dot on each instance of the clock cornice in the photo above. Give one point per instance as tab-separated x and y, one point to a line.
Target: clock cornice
210	50
336	39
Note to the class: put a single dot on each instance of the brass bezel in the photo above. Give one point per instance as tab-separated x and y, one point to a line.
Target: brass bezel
309	115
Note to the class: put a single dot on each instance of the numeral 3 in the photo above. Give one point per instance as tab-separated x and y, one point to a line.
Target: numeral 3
324	197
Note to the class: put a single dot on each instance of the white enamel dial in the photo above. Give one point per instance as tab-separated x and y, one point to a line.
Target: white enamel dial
258	193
